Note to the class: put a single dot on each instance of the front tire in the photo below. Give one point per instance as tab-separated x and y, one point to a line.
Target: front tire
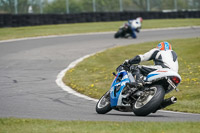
103	105
118	34
150	101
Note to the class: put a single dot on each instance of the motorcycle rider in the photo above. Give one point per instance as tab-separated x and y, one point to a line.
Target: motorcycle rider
134	26
163	57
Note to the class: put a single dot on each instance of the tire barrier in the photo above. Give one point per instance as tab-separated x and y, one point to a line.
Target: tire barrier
11	20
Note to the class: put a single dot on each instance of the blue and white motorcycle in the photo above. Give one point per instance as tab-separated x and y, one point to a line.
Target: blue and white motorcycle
141	101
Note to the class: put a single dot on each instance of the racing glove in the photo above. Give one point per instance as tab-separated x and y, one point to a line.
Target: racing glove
135	60
126	63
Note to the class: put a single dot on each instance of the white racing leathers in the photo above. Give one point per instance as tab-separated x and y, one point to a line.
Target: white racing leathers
161	58
135	23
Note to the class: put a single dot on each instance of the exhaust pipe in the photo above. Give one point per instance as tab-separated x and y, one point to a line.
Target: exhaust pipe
168	102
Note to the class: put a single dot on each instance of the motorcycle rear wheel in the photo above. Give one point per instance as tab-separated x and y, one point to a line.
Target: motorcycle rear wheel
150	101
103	105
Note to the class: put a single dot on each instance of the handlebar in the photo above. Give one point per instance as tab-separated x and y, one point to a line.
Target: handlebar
126	67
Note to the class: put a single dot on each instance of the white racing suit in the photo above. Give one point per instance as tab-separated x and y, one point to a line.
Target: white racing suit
135	26
161	58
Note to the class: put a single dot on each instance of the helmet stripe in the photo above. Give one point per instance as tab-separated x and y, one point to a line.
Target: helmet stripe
166	46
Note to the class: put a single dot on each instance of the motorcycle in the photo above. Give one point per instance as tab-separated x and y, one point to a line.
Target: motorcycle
125	30
141	101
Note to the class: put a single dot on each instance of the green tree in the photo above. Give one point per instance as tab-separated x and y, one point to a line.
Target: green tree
87	5
59	6
22	6
77	6
141	4
7	6
107	5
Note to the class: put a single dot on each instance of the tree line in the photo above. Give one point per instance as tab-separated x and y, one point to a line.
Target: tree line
78	6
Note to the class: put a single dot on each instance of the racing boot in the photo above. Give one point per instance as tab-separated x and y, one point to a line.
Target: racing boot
139	80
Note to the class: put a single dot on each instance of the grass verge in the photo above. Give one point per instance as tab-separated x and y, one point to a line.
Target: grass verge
12	125
60	29
95	73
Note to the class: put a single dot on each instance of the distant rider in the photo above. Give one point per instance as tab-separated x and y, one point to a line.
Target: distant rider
134	26
163	57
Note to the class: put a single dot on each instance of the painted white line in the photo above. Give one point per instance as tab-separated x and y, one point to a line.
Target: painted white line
166	111
94	33
171	28
52	36
62	85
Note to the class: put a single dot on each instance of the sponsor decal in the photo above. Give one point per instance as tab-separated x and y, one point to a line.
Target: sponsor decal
161	71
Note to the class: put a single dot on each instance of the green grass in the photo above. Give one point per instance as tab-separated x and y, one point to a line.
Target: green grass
95	73
11	125
33	31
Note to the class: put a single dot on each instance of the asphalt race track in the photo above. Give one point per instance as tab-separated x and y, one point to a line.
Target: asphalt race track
29	67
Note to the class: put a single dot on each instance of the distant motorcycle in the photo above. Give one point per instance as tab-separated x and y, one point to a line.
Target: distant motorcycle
125	30
141	101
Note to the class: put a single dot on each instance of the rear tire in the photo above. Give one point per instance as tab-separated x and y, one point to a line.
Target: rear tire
103	105
150	102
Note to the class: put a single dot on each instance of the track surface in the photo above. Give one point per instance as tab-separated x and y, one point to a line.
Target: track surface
28	69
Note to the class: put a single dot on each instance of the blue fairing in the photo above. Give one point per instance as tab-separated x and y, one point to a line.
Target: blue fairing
117	87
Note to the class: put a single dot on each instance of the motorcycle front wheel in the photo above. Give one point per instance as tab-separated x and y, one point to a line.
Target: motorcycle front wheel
118	34
103	105
149	101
